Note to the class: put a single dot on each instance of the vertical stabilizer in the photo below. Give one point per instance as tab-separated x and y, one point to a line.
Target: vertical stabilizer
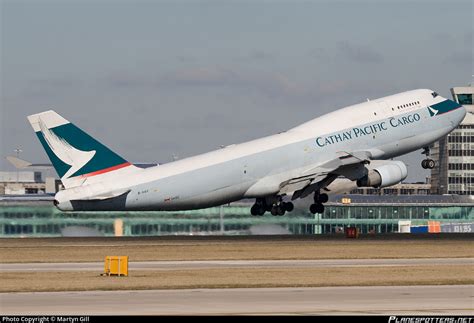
75	155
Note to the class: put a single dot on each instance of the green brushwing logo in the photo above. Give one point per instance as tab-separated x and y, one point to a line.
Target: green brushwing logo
432	111
73	152
69	155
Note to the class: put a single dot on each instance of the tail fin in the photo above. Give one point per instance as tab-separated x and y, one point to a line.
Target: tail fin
74	154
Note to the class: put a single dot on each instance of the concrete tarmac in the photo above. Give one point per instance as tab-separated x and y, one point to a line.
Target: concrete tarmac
207	264
384	300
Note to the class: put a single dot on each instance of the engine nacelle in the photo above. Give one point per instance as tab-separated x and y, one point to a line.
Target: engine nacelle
383	174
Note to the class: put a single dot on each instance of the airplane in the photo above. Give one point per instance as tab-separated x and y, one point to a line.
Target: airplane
352	145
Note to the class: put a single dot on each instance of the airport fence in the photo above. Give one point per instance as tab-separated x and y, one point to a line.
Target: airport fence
47	221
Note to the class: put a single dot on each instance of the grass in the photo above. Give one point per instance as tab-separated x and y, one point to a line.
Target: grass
238	278
27	250
94	250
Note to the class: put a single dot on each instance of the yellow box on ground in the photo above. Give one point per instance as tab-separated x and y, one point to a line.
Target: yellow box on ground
116	266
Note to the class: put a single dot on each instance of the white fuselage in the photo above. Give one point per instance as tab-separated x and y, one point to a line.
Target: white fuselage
386	127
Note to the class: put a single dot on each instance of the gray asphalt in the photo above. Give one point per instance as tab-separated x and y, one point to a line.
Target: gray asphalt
386	300
201	264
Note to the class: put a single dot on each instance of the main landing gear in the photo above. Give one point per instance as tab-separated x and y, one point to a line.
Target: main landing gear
319	199
427	163
274	205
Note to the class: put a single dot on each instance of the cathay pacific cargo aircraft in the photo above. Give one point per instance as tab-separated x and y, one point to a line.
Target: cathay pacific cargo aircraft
352	145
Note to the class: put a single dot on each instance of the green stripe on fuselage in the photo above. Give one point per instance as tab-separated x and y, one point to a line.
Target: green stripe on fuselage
103	158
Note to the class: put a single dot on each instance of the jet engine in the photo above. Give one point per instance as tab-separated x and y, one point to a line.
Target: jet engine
382	173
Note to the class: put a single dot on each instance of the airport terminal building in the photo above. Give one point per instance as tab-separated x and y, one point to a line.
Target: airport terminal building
371	214
383	214
454	154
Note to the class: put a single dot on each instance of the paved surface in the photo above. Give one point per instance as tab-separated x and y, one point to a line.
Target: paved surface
422	300
153	240
205	264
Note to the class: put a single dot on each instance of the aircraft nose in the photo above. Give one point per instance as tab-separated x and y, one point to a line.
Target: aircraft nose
462	113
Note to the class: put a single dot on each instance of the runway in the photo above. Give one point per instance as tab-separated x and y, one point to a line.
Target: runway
384	300
181	276
208	264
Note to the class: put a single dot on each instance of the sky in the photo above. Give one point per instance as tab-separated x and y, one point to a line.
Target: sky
153	79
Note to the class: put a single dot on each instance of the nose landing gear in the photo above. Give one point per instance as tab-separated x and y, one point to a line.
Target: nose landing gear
427	163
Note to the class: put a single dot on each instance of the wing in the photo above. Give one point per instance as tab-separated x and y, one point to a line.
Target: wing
349	165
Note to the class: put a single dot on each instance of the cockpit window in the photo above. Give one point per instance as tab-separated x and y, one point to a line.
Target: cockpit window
434	94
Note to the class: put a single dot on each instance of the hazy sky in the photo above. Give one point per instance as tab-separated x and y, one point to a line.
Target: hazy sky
154	78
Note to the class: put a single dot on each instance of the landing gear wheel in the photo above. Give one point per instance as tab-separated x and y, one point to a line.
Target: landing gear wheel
428	163
323	198
280	210
423	164
316	208
320	197
255	210
273	205
274	210
288	206
319	208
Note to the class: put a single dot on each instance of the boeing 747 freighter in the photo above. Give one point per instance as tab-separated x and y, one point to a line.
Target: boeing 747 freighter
352	145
